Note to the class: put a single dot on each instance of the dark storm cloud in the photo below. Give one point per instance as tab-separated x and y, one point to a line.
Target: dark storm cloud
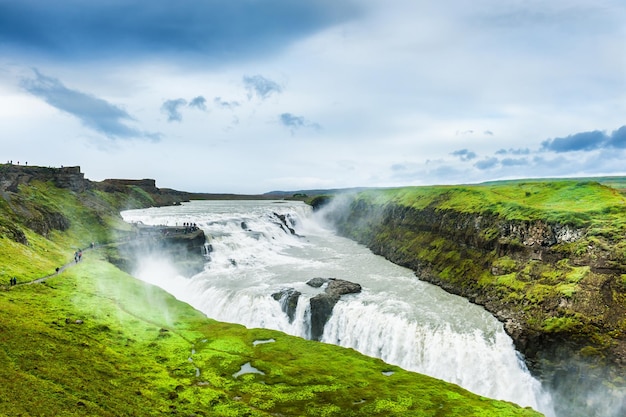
259	86
199	103
209	29
295	122
172	109
464	154
93	112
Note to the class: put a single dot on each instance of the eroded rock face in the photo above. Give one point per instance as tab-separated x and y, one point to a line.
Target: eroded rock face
288	299
322	304
467	254
285	222
187	251
321	309
43	221
12	176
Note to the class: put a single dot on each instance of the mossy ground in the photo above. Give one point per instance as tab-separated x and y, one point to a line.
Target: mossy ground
585	203
93	341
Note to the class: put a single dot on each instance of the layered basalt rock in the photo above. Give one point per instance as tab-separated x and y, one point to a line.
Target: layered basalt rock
12	176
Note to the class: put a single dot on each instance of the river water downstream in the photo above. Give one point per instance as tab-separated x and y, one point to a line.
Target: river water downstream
396	317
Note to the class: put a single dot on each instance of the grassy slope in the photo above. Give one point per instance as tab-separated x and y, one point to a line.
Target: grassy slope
578	203
135	350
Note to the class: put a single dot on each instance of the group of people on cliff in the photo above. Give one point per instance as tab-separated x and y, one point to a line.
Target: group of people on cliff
190	227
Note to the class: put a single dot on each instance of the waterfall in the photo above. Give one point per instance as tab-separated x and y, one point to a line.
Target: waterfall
261	248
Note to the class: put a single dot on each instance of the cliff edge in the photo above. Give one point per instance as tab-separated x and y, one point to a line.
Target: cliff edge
547	258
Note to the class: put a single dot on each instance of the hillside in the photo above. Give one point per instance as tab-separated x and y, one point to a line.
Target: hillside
548	258
92	340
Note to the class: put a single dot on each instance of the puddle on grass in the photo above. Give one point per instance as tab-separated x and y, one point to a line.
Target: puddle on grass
388	373
246	368
260	342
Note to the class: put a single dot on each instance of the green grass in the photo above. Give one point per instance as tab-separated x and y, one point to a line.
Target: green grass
578	203
130	355
93	341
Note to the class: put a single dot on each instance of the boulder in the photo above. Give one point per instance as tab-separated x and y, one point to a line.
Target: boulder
322	304
317	282
340	287
321	309
288	299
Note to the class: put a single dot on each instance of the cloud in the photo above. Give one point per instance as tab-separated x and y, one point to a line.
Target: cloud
225	104
199	103
399	167
172	109
618	138
486	163
511	151
464	154
211	30
93	112
584	141
472	132
587	141
260	86
514	162
295	122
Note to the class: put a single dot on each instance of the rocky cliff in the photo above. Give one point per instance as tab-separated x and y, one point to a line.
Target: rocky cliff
43	200
12	176
557	281
186	249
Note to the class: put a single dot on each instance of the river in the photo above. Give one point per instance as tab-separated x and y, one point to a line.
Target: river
262	247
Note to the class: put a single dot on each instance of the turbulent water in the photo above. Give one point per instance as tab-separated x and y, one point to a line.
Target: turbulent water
396	317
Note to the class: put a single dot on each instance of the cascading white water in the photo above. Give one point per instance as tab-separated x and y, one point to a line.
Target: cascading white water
396	317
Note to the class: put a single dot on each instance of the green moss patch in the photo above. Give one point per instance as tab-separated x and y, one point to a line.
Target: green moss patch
94	341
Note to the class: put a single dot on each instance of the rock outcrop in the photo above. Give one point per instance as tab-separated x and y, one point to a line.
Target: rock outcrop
321	305
12	176
186	249
288	299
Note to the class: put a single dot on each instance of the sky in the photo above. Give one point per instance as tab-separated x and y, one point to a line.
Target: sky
251	96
